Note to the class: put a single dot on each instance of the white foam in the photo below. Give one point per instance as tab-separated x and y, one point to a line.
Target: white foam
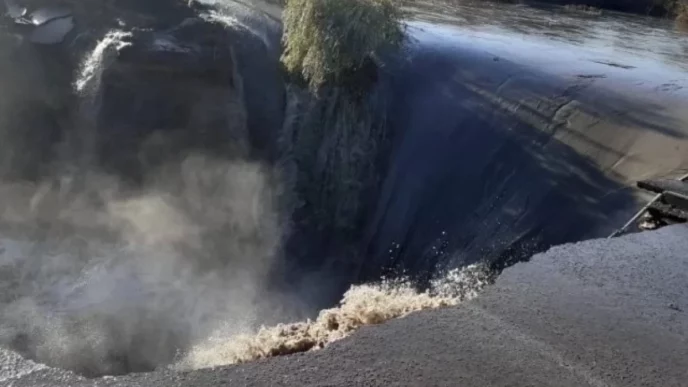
13	366
93	63
361	305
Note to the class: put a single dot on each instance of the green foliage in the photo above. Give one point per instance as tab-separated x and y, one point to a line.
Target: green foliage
327	40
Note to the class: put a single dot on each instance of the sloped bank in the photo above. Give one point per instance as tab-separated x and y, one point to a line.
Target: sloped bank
491	142
513	134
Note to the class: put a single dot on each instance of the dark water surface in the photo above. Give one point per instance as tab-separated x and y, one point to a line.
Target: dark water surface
520	128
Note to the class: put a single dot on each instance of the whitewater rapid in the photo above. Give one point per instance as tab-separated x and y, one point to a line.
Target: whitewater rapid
361	305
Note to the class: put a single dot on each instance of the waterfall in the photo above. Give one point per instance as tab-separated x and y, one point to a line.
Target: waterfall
92	67
78	152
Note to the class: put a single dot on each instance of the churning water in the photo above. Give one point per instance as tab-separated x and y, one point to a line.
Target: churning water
102	277
207	258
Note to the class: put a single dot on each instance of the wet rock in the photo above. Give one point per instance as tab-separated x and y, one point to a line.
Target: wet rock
46	14
35	99
49	24
52	32
14	10
174	82
195	49
164	94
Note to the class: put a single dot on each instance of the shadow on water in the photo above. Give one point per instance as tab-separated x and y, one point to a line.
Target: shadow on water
545	100
478	172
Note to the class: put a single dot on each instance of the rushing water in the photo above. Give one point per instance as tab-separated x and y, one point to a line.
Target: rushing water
502	129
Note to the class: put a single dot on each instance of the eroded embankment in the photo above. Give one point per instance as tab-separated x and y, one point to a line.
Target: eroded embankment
157	217
183	209
512	127
141	219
